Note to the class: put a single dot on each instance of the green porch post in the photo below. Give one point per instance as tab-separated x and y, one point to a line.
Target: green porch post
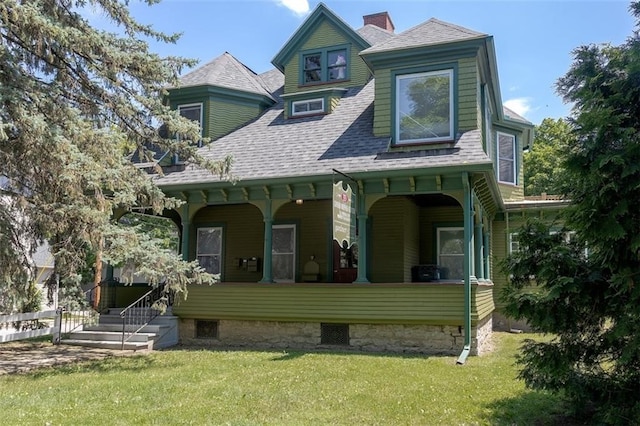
362	243
485	242
468	248
186	228
267	274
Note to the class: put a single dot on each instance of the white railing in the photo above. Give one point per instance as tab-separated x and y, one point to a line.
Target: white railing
9	333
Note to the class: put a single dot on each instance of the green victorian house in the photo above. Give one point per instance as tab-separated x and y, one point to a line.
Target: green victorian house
412	123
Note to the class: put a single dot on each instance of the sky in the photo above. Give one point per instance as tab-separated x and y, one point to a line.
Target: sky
533	39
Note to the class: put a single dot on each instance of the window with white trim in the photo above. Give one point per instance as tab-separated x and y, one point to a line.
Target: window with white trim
507	158
193	112
311	106
283	253
209	249
451	252
424	107
514	244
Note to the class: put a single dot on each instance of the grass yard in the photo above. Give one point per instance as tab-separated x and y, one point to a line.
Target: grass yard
194	386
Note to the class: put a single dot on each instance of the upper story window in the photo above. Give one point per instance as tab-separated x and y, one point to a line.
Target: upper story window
325	65
192	112
506	158
312	106
424	107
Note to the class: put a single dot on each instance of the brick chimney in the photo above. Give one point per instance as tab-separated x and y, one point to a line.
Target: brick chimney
382	20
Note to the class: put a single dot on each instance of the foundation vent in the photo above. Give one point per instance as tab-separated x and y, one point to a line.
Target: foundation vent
334	334
206	329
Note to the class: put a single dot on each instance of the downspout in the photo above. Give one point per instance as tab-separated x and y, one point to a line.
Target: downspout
468	232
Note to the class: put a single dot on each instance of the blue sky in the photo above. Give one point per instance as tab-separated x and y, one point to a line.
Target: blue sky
533	38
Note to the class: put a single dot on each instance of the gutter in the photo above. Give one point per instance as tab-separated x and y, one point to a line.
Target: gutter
467	269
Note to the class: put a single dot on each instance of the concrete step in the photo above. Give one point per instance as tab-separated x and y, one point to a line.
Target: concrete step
111	336
109	344
149	328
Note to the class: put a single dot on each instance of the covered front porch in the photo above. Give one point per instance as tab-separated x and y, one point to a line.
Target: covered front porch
420	263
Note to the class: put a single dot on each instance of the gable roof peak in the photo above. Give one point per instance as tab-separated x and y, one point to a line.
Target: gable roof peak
320	13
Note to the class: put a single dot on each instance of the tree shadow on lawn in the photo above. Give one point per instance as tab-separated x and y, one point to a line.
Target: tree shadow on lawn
531	408
287	354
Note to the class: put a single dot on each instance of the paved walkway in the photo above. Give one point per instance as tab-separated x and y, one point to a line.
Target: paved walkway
20	357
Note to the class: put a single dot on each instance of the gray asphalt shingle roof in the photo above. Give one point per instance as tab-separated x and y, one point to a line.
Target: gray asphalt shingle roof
374	34
428	33
225	71
274	147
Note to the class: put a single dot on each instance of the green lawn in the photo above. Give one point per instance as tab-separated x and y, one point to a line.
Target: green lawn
193	386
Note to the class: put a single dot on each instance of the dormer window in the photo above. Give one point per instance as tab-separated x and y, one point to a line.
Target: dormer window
424	107
193	112
325	65
312	106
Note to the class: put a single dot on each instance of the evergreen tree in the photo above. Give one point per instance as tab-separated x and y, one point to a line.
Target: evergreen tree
71	96
591	303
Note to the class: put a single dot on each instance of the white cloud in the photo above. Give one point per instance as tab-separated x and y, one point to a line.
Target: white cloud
299	7
520	106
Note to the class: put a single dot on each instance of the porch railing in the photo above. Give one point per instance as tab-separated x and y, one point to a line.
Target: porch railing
140	313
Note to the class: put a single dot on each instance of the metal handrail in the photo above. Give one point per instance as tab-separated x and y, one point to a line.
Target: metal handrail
87	314
142	311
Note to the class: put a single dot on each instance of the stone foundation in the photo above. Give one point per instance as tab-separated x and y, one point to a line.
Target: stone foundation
394	338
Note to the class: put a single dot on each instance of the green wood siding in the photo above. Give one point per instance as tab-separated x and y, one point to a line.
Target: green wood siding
482	304
411	222
223	117
468	99
438	304
326	35
243	237
394	250
313	230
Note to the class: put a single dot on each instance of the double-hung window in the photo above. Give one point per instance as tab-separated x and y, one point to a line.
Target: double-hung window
325	65
424	107
506	158
451	252
209	249
192	112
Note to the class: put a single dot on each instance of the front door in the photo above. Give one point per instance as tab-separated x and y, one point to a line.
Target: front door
283	253
345	263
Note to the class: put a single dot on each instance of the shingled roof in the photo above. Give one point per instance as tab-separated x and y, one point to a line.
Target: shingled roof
225	71
274	147
431	32
374	34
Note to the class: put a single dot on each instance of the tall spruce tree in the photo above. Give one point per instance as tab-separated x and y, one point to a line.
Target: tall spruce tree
591	303
71	96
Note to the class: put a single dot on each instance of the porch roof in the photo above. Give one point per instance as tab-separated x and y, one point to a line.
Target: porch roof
272	147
